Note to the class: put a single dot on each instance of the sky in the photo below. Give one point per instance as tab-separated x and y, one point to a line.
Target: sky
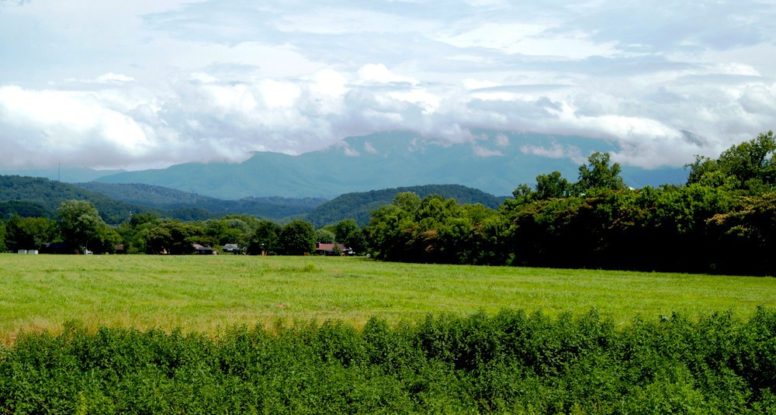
150	83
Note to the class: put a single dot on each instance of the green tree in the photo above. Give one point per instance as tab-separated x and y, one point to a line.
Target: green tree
2	236
28	233
599	174
297	238
324	236
79	223
753	160
348	233
750	165
552	185
265	238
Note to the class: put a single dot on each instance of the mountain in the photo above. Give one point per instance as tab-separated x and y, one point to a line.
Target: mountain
64	174
361	204
32	196
496	163
184	205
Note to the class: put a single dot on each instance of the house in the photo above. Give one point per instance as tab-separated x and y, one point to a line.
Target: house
203	250
332	249
233	249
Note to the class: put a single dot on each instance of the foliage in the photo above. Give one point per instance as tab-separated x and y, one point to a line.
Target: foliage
296	238
599	174
324	236
190	206
28	196
435	230
349	233
80	224
750	165
265	238
28	233
720	222
512	362
359	205
24	209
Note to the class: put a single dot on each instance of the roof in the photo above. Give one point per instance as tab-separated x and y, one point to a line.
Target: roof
329	247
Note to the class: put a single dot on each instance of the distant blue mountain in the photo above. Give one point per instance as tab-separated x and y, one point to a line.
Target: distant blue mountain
496	164
64	174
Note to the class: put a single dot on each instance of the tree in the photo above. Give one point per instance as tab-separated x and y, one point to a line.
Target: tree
599	174
552	185
750	165
79	223
348	233
297	238
2	236
752	160
265	238
28	233
324	236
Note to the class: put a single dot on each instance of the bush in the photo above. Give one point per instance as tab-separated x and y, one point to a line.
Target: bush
507	363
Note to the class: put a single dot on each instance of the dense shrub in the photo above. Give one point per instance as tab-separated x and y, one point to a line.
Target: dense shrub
508	363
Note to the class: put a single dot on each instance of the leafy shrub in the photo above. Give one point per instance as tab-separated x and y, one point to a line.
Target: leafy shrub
508	363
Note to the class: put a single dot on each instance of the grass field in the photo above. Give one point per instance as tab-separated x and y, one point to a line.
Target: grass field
208	294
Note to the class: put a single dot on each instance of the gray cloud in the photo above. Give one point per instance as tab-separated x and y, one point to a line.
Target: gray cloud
151	83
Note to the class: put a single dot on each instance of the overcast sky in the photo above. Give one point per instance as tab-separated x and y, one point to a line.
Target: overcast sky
147	83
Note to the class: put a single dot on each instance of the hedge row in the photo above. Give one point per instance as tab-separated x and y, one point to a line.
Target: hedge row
508	363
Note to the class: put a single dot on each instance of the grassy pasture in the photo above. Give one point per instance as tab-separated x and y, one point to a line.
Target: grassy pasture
208	294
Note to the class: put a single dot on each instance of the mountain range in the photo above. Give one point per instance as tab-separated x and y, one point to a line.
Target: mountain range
494	162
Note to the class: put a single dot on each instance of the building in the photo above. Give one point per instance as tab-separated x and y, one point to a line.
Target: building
203	250
332	249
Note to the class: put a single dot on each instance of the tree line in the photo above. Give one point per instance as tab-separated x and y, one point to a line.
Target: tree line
79	228
722	220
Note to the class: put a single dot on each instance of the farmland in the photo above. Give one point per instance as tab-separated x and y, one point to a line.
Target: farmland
209	294
255	335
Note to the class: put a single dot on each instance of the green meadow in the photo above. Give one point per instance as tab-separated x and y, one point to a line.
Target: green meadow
210	294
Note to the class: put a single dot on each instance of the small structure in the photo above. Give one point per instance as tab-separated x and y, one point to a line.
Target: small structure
233	249
22	252
331	249
203	250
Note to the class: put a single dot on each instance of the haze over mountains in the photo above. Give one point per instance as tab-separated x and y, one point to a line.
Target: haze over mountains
495	163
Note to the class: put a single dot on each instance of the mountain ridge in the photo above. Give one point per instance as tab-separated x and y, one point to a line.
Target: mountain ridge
495	162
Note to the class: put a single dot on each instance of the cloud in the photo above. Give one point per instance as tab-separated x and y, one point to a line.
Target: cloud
111	77
555	151
156	82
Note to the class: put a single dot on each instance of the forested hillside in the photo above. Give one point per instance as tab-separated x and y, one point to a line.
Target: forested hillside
185	205
360	205
36	197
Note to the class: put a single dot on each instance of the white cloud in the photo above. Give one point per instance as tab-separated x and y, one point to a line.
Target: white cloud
481	151
380	74
154	82
555	151
111	77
